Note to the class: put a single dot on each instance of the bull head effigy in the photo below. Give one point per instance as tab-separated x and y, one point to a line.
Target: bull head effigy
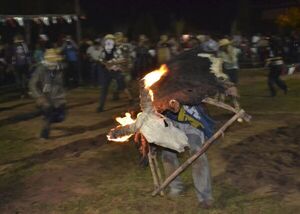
189	78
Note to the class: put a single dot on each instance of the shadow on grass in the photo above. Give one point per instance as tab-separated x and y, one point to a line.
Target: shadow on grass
31	115
11	183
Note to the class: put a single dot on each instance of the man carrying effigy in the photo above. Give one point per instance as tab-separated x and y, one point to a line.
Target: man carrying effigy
173	117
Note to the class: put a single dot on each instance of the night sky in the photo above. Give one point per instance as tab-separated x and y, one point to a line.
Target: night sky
212	15
151	17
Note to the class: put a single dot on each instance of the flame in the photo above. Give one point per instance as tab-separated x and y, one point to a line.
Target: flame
123	121
127	120
151	95
154	76
149	80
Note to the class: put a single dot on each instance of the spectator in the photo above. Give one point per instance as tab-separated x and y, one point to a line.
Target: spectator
21	62
70	50
94	55
163	50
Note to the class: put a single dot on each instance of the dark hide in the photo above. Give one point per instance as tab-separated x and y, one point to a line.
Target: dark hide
188	80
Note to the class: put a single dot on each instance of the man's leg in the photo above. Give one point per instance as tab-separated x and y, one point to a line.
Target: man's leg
170	163
201	171
104	90
271	85
281	84
45	132
121	85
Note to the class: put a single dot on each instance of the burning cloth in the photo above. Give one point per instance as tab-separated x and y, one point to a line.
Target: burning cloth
155	127
188	78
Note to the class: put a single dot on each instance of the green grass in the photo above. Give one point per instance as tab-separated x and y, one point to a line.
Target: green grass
117	184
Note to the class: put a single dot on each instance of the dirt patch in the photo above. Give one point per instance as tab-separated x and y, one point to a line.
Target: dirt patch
269	159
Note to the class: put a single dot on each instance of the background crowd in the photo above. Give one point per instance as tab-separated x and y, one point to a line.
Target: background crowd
81	61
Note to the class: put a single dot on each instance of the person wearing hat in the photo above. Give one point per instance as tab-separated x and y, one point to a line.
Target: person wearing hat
276	67
229	55
46	86
163	50
112	59
71	51
21	62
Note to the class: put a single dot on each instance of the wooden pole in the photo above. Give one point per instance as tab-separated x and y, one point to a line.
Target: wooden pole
214	102
157	180
160	180
78	37
78	24
27	26
204	148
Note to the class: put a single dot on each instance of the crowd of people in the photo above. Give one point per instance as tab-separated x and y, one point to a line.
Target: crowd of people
50	67
113	58
17	60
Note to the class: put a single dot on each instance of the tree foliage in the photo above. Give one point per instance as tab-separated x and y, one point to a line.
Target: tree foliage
290	19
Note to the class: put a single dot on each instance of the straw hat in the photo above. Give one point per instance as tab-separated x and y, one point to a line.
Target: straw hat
164	38
143	38
224	42
18	38
109	36
201	37
52	55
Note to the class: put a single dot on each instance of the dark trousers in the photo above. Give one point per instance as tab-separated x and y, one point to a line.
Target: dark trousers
51	115
73	75
274	79
232	74
22	76
108	76
96	74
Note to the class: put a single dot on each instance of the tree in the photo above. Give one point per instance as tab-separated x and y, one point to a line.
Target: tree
290	19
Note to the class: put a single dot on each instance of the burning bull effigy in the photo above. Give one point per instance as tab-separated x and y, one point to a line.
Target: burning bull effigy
172	117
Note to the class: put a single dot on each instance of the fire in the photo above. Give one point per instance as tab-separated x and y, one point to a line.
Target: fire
154	76
149	80
123	121
127	120
151	95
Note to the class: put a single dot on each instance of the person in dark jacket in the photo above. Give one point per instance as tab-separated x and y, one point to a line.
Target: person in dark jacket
71	52
46	86
21	62
276	66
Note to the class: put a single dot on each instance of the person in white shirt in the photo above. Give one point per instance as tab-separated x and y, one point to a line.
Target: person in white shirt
94	55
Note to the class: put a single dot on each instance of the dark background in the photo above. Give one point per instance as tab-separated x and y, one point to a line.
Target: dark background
152	17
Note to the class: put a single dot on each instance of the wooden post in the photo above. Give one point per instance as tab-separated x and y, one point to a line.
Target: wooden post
78	24
214	102
27	27
78	37
157	180
204	148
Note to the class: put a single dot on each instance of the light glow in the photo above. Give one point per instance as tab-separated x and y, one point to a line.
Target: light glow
155	76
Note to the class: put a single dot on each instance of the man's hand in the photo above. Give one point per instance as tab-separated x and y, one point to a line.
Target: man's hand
232	91
42	102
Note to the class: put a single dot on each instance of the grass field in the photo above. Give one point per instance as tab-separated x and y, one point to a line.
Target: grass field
255	167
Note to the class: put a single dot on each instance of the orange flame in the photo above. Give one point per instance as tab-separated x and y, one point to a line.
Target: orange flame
123	121
127	120
154	76
149	80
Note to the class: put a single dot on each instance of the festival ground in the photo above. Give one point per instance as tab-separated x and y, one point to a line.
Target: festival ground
255	167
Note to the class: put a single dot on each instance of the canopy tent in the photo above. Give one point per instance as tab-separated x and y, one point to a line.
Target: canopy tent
45	19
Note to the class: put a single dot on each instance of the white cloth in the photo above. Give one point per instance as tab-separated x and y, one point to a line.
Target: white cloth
161	131
94	53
